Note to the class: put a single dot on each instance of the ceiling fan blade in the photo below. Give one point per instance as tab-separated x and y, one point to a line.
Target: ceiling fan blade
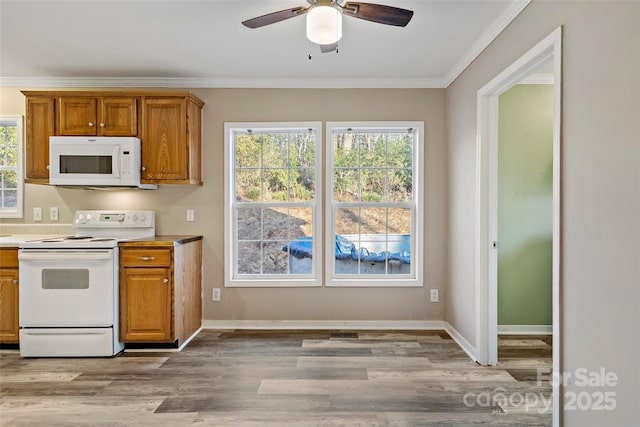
272	18
379	13
326	48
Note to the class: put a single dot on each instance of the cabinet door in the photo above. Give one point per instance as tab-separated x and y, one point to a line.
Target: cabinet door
118	117
145	309
40	126
78	116
9	322
164	143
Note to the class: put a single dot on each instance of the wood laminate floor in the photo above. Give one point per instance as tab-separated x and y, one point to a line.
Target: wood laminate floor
286	378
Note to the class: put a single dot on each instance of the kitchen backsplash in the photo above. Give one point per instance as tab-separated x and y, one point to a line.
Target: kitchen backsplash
36	229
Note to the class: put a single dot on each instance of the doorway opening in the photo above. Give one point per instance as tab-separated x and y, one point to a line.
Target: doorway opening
546	51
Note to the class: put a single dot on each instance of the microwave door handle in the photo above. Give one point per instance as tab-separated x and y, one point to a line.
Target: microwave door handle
115	164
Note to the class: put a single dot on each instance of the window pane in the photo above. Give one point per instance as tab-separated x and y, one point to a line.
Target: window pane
275	224
300	256
400	185
249	223
373	185
275	148
276	184
303	184
345	185
400	150
347	221
247	151
9	198
399	220
10	179
300	222
302	150
275	260
345	150
248	187
373	150
249	258
373	221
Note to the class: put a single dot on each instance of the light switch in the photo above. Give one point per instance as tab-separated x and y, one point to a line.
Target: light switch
53	213
37	214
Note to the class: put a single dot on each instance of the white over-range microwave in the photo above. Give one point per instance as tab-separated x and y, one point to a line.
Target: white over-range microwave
86	161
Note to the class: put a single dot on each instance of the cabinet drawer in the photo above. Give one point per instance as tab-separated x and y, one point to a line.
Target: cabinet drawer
9	258
146	257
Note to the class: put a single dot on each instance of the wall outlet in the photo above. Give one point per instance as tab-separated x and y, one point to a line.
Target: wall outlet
37	214
53	214
191	215
215	294
435	297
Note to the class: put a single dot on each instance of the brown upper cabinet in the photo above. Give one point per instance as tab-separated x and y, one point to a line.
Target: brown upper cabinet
168	123
87	116
40	126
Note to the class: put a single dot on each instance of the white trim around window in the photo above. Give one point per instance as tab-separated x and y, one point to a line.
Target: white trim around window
397	258
261	223
11	168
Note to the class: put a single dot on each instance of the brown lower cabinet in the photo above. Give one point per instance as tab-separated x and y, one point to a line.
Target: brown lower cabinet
160	290
9	321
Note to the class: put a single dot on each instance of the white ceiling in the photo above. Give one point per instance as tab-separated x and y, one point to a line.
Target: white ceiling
203	44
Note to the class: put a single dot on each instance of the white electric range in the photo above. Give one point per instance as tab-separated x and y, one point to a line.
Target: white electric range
69	286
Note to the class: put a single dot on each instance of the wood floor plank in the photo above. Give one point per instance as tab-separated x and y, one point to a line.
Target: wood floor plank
362	362
442	374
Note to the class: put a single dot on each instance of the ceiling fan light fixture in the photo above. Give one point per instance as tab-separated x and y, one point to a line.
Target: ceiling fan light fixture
324	25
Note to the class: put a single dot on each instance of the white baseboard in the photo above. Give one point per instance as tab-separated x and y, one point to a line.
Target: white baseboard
525	329
461	341
325	324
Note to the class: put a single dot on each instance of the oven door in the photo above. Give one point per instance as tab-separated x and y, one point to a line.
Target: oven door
66	288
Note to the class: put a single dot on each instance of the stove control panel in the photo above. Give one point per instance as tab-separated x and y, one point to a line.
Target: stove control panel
113	218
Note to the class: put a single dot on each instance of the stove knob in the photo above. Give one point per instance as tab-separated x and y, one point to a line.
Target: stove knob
89	217
81	219
143	218
135	218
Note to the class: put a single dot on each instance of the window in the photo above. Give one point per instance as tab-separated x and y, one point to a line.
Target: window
373	204
272	209
372	224
10	166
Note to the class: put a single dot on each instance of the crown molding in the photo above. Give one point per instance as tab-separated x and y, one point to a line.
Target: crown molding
485	39
222	82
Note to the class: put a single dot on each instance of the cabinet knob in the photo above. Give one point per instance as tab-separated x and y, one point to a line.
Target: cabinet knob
91	124
47	167
144	168
146	258
14	281
165	280
103	125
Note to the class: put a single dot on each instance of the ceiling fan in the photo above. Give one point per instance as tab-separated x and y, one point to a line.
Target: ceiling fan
324	18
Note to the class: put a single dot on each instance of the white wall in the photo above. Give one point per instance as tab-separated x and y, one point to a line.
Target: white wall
600	256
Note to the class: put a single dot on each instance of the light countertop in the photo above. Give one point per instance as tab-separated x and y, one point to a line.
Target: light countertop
13	240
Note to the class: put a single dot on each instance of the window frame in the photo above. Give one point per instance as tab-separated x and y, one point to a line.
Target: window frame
415	278
230	207
18	211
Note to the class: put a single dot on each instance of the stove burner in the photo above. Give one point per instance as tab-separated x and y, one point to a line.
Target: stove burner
79	238
102	240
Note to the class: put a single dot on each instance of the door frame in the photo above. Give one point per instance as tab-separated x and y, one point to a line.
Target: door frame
486	261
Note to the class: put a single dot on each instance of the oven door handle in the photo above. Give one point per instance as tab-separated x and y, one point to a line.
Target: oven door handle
62	255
